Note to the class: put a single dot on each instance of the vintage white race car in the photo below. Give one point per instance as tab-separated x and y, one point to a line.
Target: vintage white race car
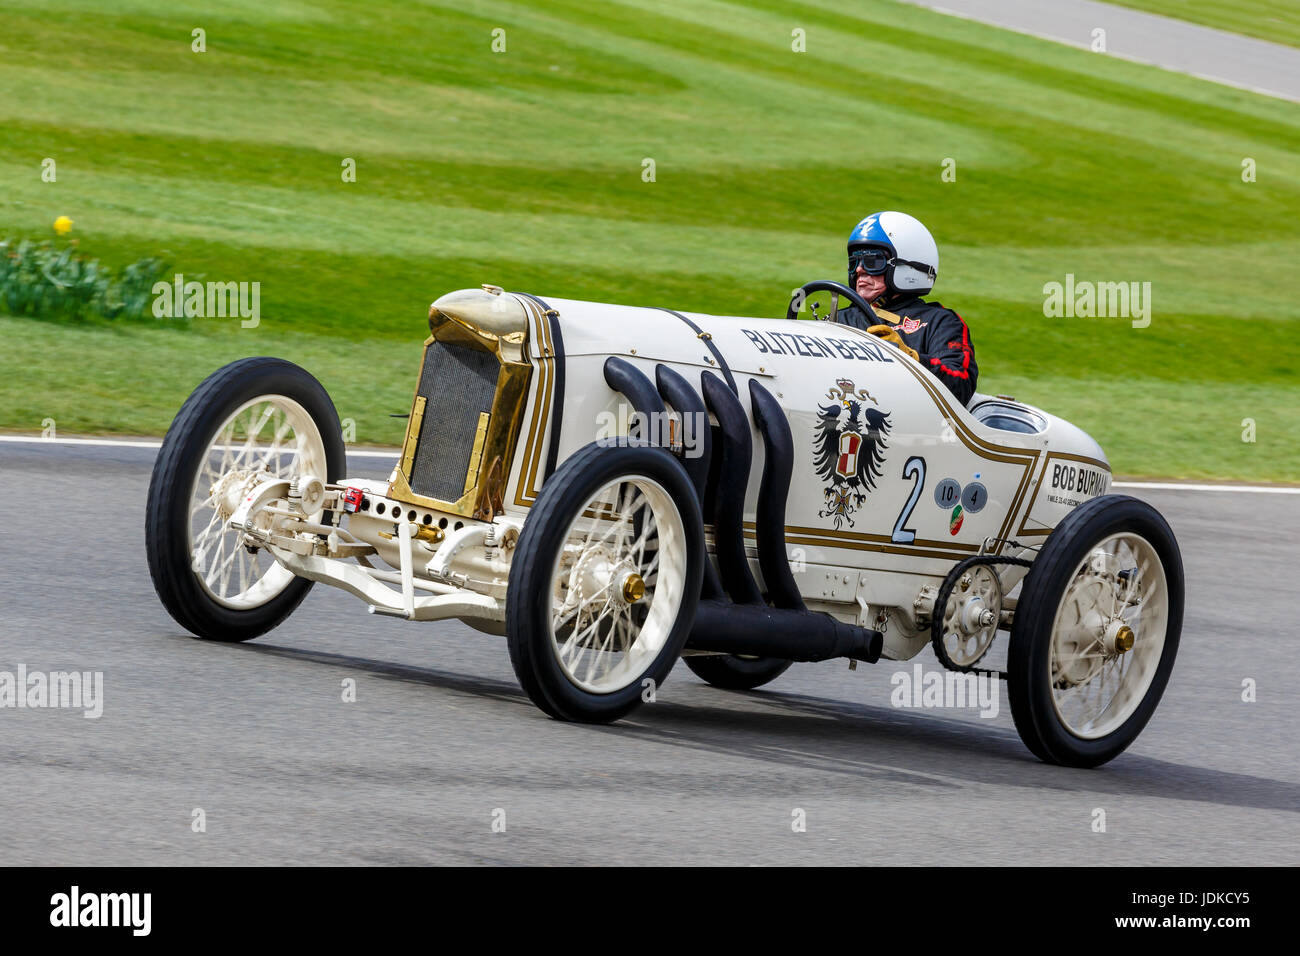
614	488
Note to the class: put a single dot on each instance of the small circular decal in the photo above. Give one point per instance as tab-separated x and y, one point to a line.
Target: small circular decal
947	493
973	497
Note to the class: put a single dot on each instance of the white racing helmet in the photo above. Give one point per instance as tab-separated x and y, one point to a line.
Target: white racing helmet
897	246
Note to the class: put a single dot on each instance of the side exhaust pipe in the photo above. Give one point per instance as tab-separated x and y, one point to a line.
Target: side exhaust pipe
778	463
762	631
678	393
729	495
748	626
622	376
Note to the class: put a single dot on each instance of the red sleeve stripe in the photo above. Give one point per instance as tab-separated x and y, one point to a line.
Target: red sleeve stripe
965	354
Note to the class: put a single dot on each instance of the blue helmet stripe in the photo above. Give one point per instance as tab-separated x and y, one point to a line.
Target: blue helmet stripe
870	230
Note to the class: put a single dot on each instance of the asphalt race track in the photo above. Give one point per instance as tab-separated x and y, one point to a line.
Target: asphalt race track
1269	68
441	741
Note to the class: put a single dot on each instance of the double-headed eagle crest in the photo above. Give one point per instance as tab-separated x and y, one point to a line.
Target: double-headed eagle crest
848	449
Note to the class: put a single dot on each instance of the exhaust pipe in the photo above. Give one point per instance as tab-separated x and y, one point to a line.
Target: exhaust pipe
778	463
678	393
762	631
789	631
622	376
729	495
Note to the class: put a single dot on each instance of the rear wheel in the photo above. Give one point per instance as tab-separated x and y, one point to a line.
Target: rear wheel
1096	632
252	419
605	581
733	672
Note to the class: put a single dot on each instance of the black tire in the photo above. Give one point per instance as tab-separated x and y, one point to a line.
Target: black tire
529	598
167	514
731	672
1029	687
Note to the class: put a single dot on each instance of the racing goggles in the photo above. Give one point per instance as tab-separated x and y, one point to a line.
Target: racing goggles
876	261
873	262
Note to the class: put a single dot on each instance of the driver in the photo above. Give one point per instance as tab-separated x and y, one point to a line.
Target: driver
893	261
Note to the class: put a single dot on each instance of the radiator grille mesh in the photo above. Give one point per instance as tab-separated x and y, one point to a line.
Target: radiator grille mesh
458	384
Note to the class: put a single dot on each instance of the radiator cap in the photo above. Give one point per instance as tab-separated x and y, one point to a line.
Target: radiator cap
492	313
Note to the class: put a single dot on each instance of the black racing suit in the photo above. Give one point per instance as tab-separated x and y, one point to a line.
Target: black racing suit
939	336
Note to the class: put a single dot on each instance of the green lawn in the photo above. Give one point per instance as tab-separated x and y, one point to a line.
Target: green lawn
524	168
1276	20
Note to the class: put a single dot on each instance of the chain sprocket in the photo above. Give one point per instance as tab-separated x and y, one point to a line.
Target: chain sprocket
939	616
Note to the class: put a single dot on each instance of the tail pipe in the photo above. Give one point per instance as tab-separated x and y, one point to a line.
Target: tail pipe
791	635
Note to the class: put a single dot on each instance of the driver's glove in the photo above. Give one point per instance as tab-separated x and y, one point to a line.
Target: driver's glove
889	335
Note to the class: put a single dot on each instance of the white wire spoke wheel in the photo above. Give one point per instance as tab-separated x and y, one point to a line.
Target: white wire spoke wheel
617	585
252	419
605	582
267	436
1108	635
1096	632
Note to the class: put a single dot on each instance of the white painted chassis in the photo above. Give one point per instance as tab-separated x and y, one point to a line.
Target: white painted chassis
857	574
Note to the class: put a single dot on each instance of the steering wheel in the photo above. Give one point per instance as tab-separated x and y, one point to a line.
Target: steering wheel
836	289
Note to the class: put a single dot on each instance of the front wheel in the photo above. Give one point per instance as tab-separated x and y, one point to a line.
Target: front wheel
605	581
251	419
1096	632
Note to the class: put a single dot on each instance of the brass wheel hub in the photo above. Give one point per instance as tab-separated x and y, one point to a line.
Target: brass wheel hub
633	588
1123	640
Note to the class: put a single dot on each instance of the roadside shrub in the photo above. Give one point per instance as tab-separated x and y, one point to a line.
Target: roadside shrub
43	280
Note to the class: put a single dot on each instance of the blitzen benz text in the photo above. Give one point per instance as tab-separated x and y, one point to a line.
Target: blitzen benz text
812	346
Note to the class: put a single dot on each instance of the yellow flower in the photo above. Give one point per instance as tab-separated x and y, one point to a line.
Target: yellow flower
63	225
